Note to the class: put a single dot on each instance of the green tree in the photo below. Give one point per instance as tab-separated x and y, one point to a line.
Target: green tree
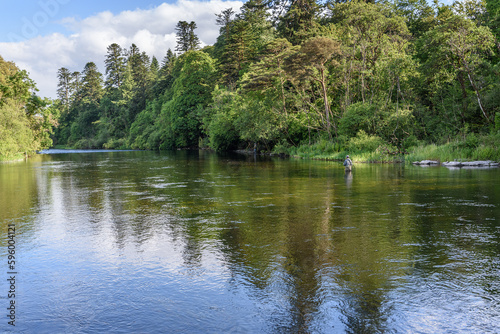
368	34
455	50
224	19
92	84
221	126
239	51
419	15
244	38
115	66
139	64
493	8
64	88
474	10
86	110
25	120
181	117
186	38
311	62
76	85
299	21
154	68
165	79
269	73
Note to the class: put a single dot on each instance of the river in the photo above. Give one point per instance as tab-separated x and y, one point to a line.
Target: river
195	242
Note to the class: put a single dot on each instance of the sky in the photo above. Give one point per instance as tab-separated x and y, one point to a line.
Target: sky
41	36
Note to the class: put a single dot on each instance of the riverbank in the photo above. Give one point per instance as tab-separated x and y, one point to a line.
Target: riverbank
471	148
13	157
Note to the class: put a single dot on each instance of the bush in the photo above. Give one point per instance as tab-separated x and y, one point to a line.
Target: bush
364	142
485	153
471	141
410	142
83	143
116	144
358	116
282	147
222	133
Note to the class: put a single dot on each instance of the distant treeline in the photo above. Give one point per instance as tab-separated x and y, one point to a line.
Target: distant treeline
384	76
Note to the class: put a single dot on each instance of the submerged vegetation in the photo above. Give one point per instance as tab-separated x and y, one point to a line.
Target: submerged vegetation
384	81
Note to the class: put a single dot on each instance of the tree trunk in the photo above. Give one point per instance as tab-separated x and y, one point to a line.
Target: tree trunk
476	90
325	100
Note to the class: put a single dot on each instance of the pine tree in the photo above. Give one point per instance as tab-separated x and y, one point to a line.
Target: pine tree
299	21
224	19
154	67
168	62
186	38
64	88
115	66
92	81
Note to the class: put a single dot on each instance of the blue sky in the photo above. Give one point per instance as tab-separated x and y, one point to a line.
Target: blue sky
41	36
26	18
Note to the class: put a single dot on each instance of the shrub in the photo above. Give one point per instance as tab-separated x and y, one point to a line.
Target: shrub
222	133
358	116
364	142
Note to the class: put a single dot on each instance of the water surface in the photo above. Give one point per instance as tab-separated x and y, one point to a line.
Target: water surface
193	242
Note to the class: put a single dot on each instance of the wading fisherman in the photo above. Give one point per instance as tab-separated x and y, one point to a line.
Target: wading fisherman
347	164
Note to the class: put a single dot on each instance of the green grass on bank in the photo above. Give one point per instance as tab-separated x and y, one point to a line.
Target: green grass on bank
472	147
324	150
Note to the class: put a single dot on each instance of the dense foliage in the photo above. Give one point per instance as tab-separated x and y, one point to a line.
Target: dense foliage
357	76
26	120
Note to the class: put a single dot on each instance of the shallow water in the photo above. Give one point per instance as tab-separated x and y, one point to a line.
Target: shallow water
192	242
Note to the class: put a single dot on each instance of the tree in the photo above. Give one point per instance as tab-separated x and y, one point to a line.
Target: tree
154	68
419	15
91	90
186	38
165	79
239	51
85	111
269	73
311	62
224	19
180	121
474	10
459	45
168	62
493	9
299	21
64	88
76	85
369	35
139	64
115	66
25	120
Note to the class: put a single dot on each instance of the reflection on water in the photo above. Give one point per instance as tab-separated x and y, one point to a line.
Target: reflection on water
192	242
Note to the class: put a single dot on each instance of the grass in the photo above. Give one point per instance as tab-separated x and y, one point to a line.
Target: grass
324	150
473	147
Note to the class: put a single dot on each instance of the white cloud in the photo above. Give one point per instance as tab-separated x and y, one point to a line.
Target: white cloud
152	30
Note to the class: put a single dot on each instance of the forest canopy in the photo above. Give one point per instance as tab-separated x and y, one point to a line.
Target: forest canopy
351	76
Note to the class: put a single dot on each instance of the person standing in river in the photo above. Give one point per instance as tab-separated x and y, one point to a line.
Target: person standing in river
347	164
